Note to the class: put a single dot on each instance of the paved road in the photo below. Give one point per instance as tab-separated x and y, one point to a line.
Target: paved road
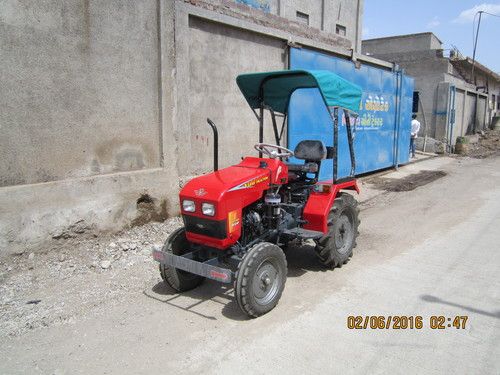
430	251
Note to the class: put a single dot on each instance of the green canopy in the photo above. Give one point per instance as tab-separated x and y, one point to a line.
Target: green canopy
275	88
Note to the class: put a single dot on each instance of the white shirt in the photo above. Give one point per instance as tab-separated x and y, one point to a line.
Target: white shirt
415	127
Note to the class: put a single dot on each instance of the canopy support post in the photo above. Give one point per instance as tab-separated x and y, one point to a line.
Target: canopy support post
261	126
335	141
283	128
350	140
255	113
275	125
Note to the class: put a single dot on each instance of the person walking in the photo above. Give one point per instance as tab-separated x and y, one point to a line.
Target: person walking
415	127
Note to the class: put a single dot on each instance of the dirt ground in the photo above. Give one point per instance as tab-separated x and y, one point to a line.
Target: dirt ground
488	145
97	305
74	277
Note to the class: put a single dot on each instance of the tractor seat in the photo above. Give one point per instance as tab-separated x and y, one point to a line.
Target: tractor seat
312	152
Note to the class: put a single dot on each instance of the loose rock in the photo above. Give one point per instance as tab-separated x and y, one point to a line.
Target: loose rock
19	251
105	264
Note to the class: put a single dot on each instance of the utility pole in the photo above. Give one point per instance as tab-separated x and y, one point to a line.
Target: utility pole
474	60
475	46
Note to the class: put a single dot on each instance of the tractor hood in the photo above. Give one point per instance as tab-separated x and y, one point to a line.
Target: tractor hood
234	187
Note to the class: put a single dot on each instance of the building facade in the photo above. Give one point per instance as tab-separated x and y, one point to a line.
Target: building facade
449	102
103	105
340	17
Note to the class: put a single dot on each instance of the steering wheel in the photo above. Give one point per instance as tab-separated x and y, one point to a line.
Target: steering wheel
273	151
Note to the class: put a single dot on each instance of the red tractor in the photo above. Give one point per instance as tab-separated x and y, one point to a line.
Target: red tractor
238	220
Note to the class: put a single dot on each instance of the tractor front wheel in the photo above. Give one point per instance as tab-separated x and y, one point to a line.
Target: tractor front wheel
260	279
179	280
335	248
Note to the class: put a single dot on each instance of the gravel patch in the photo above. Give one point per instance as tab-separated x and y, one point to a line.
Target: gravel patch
66	281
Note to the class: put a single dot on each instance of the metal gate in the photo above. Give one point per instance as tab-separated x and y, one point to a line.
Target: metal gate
382	131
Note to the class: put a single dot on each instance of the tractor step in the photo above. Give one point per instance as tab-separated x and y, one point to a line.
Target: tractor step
304	234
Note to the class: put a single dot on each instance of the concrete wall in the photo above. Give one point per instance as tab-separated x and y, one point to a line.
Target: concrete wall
441	111
493	89
103	104
467	115
79	78
346	13
460	101
487	82
470	105
217	54
428	97
313	8
86	106
401	44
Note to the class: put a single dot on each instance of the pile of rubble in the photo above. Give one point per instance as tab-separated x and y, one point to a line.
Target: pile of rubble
480	145
73	276
483	145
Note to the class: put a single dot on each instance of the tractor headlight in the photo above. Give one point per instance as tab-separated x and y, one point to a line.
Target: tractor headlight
208	209
188	205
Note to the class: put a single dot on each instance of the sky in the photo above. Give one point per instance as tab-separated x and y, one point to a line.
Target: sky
450	20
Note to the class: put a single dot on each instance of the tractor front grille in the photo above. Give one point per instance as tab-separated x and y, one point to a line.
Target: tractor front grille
205	227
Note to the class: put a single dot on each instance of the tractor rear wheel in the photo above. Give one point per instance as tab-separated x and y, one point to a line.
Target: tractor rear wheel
179	280
260	279
335	248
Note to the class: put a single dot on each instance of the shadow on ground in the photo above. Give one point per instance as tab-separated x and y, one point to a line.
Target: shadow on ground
433	299
303	259
300	260
192	301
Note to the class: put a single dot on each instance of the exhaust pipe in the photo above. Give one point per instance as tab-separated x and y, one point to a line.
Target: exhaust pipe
216	144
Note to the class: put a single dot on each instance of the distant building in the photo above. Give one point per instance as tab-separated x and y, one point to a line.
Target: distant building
447	98
340	17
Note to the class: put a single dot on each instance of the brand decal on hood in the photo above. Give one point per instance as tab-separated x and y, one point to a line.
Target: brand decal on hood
200	192
250	183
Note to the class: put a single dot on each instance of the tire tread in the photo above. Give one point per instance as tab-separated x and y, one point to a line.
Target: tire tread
324	253
170	275
242	282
